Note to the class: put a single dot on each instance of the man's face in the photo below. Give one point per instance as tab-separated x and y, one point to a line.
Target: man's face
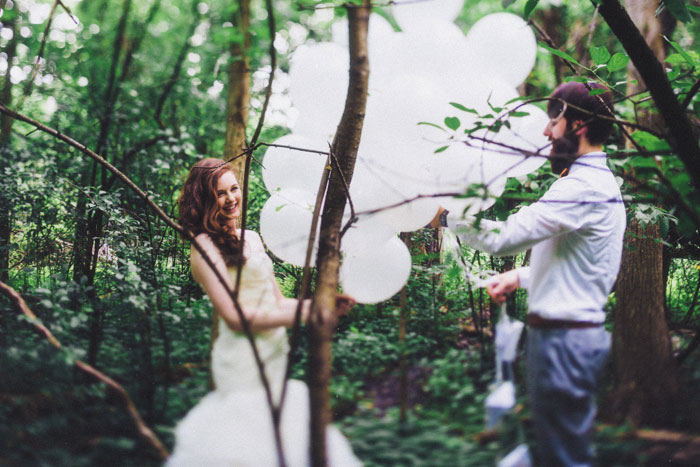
565	141
556	127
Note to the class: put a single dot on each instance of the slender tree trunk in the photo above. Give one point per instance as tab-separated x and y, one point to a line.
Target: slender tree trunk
5	132
236	113
646	380
344	151
552	20
238	91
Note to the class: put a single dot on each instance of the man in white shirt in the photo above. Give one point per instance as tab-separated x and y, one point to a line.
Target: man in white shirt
575	231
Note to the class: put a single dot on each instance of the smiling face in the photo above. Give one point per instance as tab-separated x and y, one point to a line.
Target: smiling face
228	197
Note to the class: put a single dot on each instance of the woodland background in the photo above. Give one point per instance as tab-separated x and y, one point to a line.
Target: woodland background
154	86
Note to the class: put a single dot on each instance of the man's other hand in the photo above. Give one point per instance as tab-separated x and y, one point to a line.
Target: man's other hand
505	285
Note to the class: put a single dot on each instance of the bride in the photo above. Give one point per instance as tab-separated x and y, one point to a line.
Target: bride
232	425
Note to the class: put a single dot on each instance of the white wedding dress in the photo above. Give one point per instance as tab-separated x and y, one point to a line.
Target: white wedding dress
232	426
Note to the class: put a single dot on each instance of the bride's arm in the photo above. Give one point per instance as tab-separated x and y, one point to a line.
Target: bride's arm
286	305
221	299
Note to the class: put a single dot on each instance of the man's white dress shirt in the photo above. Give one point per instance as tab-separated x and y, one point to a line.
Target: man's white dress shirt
575	231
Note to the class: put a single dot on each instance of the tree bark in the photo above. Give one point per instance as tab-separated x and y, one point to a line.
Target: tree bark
552	19
236	114
646	381
343	155
5	132
678	125
238	100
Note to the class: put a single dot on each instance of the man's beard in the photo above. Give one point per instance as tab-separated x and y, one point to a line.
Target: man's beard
564	151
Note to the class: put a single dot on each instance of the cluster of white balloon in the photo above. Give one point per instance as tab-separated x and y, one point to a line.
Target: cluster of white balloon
398	176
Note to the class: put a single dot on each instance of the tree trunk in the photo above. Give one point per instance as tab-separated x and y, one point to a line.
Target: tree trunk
5	132
646	380
678	125
236	114
344	153
238	91
552	20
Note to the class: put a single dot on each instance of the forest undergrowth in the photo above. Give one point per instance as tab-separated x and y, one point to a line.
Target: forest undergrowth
412	401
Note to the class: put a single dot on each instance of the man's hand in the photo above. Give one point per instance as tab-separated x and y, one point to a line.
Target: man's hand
435	223
505	284
343	304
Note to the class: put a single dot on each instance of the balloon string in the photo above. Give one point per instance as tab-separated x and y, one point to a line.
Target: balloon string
474	274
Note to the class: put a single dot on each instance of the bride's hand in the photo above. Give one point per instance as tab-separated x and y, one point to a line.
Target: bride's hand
343	304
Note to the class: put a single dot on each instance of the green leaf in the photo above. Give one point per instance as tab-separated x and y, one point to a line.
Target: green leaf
678	10
438	150
642	162
518	113
675	59
600	55
452	123
694	9
673	74
517	99
434	125
597	91
463	108
682	52
560	54
649	141
618	62
529	8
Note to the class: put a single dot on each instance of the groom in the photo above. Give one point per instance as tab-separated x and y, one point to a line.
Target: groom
575	231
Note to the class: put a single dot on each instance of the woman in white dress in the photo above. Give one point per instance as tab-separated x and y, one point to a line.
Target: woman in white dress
232	426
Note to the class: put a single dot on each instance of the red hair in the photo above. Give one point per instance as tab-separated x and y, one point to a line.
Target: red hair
199	210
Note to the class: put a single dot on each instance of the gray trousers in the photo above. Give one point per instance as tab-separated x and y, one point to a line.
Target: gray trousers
563	366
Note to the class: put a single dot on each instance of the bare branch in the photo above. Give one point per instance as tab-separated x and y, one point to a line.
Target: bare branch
171	223
35	69
170	83
144	431
273	65
691	94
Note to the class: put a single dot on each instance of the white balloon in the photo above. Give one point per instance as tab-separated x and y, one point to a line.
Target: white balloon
393	116
514	151
318	84
502	45
483	199
285	223
292	169
365	233
481	94
393	189
411	14
528	135
435	47
375	274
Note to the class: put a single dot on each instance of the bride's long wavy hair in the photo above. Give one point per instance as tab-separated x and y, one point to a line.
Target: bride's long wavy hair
199	210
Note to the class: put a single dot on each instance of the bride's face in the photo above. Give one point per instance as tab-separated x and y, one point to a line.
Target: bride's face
228	196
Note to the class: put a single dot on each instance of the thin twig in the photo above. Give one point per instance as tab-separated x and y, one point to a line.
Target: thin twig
245	324
35	69
306	275
144	431
273	64
334	159
691	94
